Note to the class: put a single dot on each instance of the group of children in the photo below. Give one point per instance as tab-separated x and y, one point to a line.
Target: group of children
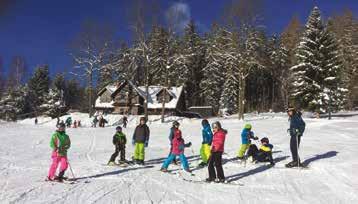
211	150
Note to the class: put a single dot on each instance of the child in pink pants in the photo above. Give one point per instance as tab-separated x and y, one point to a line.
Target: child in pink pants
60	143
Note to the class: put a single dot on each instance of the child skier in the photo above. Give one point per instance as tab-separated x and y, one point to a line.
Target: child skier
246	136
178	146
217	149
60	143
205	145
119	141
171	137
264	154
140	140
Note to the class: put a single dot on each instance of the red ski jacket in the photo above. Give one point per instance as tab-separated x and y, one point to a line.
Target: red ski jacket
178	143
218	141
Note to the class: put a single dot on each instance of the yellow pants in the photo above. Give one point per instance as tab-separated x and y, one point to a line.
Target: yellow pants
205	152
242	150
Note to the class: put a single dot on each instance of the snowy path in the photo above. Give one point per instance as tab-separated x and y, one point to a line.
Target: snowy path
330	148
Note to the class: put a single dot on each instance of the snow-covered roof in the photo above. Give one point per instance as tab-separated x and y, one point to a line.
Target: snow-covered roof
100	104
153	91
110	88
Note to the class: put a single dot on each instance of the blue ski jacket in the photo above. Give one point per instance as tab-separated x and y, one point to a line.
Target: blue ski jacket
297	125
207	134
246	135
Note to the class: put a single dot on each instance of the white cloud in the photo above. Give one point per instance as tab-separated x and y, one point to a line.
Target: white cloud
178	16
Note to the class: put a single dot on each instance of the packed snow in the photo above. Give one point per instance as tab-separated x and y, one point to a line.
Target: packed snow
330	147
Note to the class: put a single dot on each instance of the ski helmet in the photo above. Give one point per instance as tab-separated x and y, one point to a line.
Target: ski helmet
248	126
265	140
118	128
176	123
204	122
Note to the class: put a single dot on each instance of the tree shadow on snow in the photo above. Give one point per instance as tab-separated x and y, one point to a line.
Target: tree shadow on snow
320	156
114	172
259	169
161	160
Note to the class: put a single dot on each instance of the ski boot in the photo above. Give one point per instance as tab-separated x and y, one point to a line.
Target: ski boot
209	180
164	170
111	163
59	178
202	164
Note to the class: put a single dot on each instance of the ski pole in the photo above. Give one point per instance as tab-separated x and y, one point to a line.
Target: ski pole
298	157
73	175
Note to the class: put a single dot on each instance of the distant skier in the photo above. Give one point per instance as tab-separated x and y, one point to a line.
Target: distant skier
264	154
69	122
125	121
119	141
140	140
217	149
79	123
246	136
36	121
75	124
95	121
178	146
60	143
206	143
297	127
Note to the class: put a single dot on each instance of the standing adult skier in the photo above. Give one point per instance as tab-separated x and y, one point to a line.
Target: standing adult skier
119	141
297	127
140	140
246	136
217	150
60	143
178	146
206	143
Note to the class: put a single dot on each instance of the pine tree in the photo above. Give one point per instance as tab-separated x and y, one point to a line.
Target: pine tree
14	103
345	29
54	105
39	86
333	95
194	59
317	76
213	73
307	73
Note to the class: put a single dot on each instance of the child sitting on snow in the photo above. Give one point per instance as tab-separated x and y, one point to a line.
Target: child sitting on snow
119	141
264	154
177	150
246	136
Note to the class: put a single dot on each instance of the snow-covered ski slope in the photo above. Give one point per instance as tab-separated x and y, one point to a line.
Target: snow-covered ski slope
330	148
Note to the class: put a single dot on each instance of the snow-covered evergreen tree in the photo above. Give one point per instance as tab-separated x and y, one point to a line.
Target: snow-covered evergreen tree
307	73
38	86
334	92
213	73
14	103
193	51
54	105
318	70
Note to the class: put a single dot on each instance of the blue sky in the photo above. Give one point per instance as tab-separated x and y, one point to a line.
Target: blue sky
40	30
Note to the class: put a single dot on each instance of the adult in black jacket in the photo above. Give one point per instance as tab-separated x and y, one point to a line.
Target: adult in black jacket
297	127
140	140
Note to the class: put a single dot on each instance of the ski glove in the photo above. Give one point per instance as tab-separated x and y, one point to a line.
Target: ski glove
146	144
187	144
